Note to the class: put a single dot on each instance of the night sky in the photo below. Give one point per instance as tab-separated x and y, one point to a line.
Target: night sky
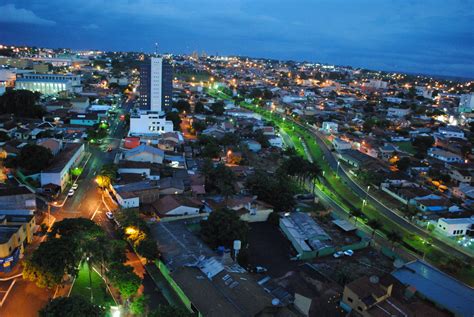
420	36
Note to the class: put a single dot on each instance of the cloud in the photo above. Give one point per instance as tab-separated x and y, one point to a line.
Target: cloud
91	26
11	14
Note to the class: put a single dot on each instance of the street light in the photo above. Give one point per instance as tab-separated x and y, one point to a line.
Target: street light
337	171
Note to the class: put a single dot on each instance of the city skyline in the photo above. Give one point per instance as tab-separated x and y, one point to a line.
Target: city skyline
412	37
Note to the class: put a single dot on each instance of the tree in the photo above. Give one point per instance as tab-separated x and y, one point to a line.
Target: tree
403	164
218	108
394	237
170	311
223	179
123	277
423	143
148	249
199	107
73	306
223	227
356	213
34	158
51	261
139	305
4	136
21	103
182	105
174	117
375	225
109	170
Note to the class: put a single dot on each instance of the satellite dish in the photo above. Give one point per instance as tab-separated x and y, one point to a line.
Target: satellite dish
374	279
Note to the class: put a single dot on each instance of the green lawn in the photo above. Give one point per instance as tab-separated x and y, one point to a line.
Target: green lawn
100	293
406	147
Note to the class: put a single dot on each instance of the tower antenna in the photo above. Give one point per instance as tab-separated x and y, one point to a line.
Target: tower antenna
156	49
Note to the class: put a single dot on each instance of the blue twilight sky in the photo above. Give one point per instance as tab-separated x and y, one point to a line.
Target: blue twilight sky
426	36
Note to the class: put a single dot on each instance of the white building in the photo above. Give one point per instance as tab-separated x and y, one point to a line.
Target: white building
49	84
376	84
58	172
466	103
397	112
329	127
451	132
276	141
452	227
149	123
444	156
150	120
144	153
340	144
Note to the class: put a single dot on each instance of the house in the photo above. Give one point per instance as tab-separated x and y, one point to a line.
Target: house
463	191
329	127
144	153
397	112
340	145
133	194
460	176
438	287
19	197
432	204
54	145
80	104
276	141
145	169
454	227
177	205
57	172
444	156
253	145
16	230
451	132
384	296
355	158
84	119
248	208
388	151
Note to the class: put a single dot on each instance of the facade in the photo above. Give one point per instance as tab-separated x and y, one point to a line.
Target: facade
444	156
329	127
49	84
340	145
58	172
156	90
156	85
145	153
88	119
455	227
451	132
466	103
149	123
16	230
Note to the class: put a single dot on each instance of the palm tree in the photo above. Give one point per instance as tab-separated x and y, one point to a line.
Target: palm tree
375	224
314	172
394	237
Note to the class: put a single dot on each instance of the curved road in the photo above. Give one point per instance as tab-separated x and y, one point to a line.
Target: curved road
387	212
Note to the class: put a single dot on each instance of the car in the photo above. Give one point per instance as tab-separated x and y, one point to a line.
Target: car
74	186
70	192
349	252
109	215
260	269
338	254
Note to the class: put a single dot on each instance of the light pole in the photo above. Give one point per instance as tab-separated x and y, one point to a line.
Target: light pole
367	193
337	171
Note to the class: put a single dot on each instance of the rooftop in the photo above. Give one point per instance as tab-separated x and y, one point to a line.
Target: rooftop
63	157
438	287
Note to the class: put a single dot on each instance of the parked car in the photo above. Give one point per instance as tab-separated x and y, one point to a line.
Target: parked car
338	254
260	269
70	192
349	252
109	215
75	186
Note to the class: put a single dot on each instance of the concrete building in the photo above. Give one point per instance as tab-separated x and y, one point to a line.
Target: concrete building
466	103
451	132
144	153
444	156
329	127
58	172
16	230
12	198
156	90
340	145
49	84
455	227
84	119
397	112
